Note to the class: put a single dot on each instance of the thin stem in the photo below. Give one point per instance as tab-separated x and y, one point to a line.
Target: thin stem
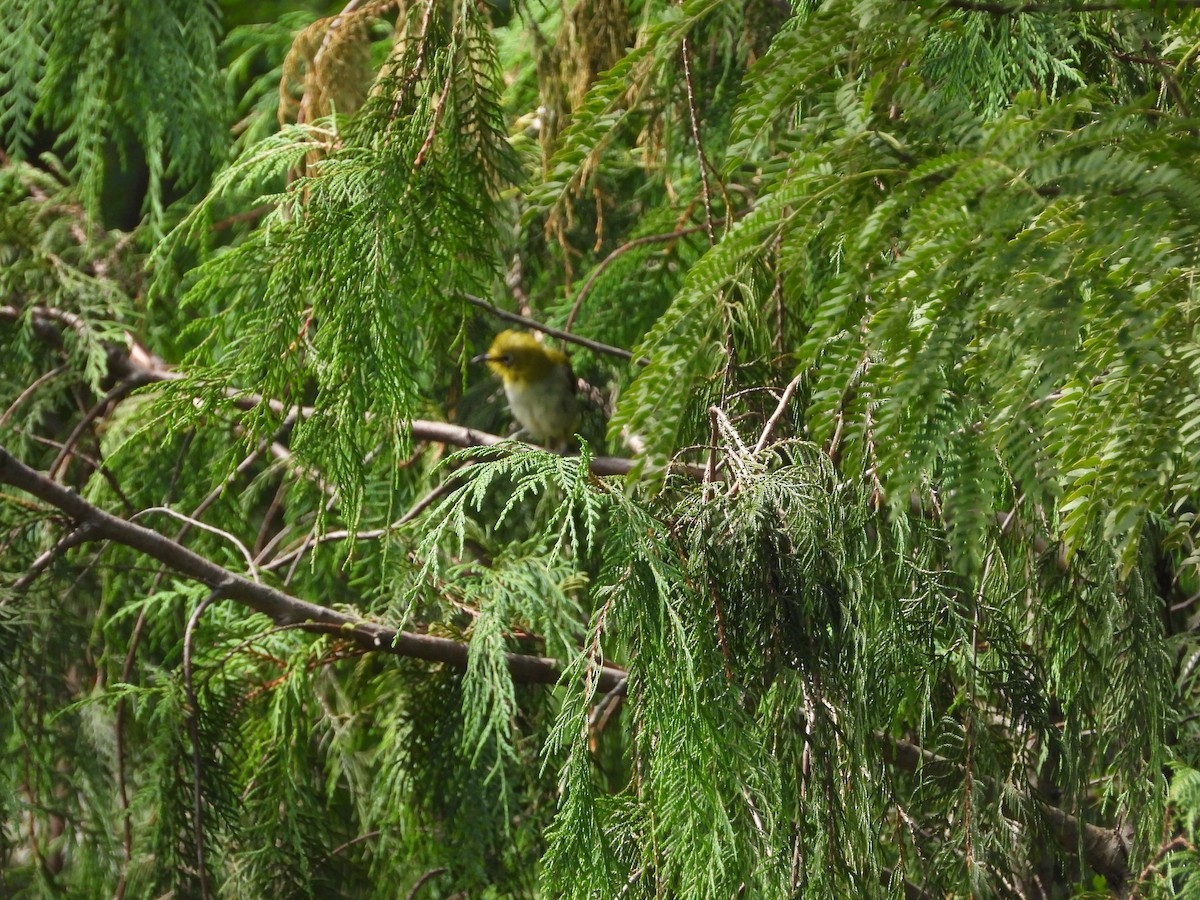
25	394
415	510
193	715
594	346
211	529
778	414
694	118
621	251
438	112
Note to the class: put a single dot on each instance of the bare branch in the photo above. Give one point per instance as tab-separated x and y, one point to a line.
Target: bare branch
594	346
38	566
777	415
211	529
420	883
31	390
340	535
281	607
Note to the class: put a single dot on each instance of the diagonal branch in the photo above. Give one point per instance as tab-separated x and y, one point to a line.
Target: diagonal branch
95	524
694	120
594	346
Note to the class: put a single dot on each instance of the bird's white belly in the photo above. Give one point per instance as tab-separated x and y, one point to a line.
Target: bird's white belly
546	412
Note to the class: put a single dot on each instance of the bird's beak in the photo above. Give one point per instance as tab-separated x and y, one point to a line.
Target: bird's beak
482	357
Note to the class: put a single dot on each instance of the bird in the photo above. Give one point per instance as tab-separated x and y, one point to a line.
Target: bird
539	385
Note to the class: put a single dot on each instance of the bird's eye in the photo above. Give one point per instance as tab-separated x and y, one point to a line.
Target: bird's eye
506	359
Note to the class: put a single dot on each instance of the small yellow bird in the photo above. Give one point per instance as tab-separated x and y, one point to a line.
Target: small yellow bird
539	384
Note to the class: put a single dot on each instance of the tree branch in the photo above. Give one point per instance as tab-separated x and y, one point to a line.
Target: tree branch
1104	849
94	524
141	369
594	346
694	120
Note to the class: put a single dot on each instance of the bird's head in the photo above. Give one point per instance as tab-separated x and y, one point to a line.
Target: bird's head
518	357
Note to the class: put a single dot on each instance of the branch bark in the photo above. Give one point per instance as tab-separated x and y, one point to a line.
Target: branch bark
95	524
140	369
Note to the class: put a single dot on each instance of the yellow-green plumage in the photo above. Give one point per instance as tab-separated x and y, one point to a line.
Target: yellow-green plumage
539	384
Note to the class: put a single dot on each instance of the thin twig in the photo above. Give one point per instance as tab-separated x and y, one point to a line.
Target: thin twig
694	118
40	314
621	251
594	346
72	539
373	833
269	547
710	469
415	510
211	529
116	394
193	717
419	64
268	520
741	455
590	679
248	642
777	415
25	394
438	112
423	880
96	465
619	690
220	489
1179	842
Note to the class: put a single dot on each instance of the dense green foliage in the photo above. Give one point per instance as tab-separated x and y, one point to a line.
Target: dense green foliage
897	596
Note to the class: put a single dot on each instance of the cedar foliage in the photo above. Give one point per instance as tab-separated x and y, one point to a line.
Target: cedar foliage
903	580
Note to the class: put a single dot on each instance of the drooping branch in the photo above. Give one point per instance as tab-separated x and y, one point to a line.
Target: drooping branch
95	524
139	369
694	120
